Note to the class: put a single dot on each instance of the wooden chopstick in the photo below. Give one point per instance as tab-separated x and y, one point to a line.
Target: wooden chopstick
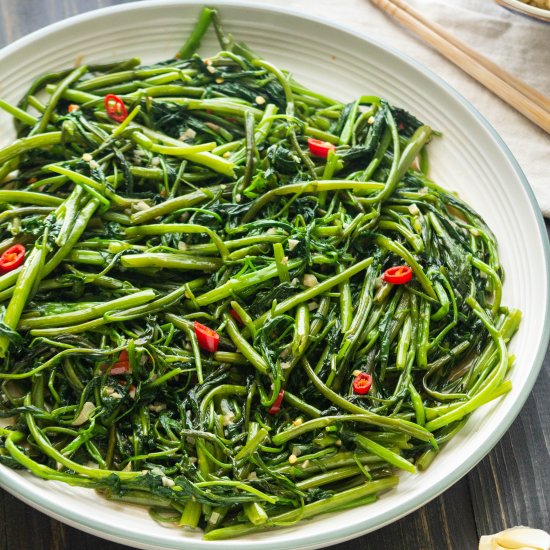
533	94
529	102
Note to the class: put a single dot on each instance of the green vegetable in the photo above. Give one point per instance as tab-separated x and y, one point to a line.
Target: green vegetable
205	205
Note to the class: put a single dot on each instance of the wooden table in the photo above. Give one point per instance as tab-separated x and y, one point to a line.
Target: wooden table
511	486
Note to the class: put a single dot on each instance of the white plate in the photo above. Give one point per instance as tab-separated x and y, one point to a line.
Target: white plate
470	159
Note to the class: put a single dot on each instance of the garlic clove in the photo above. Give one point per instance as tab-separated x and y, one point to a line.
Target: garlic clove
486	542
87	409
516	538
524	537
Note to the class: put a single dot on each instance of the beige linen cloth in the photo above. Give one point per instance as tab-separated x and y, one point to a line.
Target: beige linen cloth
516	43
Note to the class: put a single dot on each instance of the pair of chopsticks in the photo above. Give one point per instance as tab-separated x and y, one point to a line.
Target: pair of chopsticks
528	101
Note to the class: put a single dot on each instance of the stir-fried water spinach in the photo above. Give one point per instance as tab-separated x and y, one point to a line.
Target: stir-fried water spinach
201	322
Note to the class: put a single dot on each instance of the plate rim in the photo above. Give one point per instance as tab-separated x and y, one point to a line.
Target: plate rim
124	535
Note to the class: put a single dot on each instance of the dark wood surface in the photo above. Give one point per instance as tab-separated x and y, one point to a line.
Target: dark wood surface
511	486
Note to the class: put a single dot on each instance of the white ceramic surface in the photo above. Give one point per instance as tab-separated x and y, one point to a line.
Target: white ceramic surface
470	158
526	9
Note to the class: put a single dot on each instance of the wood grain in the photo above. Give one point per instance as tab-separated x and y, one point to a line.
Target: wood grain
510	486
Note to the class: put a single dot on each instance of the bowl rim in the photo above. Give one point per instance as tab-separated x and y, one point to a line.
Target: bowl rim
526	9
74	517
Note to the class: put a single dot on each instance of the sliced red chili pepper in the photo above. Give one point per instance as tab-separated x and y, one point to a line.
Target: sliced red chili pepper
236	316
276	407
72	108
115	108
208	338
362	383
398	275
122	366
319	148
12	258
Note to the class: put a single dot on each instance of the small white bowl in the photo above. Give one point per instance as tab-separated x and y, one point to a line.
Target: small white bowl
526	9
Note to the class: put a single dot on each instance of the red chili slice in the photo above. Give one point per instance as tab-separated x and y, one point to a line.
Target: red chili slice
115	108
398	275
122	366
276	407
236	316
208	338
12	258
72	108
362	383
319	148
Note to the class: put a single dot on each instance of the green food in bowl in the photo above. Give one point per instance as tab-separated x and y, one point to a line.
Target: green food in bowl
209	252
